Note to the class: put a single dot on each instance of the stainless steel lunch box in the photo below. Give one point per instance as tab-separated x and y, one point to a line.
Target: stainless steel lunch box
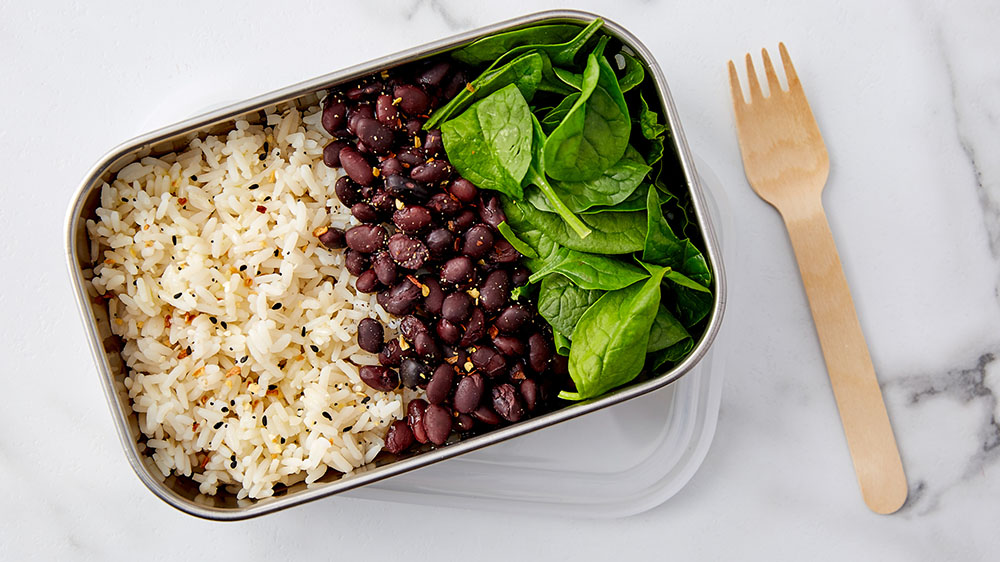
182	493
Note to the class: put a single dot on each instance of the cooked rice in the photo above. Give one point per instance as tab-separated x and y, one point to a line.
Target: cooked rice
238	326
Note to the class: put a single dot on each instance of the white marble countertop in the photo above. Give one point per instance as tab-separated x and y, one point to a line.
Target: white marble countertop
907	95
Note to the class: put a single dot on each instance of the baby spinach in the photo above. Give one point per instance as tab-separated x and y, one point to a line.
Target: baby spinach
492	47
562	343
613	186
666	331
518	244
633	73
611	339
611	233
662	246
490	143
590	271
595	131
525	72
561	303
649	122
552	119
536	177
568	77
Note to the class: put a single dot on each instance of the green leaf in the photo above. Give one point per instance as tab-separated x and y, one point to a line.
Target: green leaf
661	247
492	47
568	77
634	202
552	119
525	72
561	303
649	121
611	233
590	271
562	343
518	244
611	339
536	177
611	187
633	73
490	144
563	55
666	331
595	131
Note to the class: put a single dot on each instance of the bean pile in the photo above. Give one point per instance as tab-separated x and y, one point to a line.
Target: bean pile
429	247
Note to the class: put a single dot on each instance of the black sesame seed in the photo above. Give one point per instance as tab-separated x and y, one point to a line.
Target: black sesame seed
232	464
244	358
232	402
263	420
178	295
253	186
303	331
282	440
217	425
268	198
262	157
224	325
275	252
124	199
314	348
366	399
194	177
276	306
173	239
225	409
267	146
348	428
243	267
272	387
213	319
327	416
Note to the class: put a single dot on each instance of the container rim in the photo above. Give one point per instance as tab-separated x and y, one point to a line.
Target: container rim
204	120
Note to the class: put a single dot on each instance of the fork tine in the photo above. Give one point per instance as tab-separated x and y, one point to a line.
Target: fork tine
734	85
755	91
790	75
772	78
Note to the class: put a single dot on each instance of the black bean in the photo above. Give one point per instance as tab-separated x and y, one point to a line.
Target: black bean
334	115
412	99
354	93
365	238
456	307
384	267
385	111
488	361
356	262
347	191
410	326
367	282
432	172
539	352
444	204
437	423
425	346
477	241
464	220
458	271
379	377
406	190
529	391
512	318
331	152
413	373
453	85
407	252
516	371
448	331
433	145
519	277
486	415
454	355
399	437
392	354
383	202
400	299
412	218
490	209
434	297
464	190
364	212
372	88
475	328
468	393
375	135
506	403
560	364
371	335
390	167
509	345
356	166
411	156
503	252
440	242
464	422
332	238
413	127
434	74
356	114
415	419
495	291
440	385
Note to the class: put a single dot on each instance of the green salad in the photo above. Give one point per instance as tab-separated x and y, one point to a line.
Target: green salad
559	122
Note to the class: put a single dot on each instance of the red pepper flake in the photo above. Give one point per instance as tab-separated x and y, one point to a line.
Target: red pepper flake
261	209
182	200
204	462
189	316
166	321
182	354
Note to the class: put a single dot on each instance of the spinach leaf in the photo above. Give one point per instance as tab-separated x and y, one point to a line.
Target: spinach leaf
611	339
518	244
552	119
568	77
562	343
662	247
634	202
536	176
655	150
550	81
671	354
590	271
563	55
633	73
492	47
525	72
693	300
666	331
490	144
561	303
595	131
611	187
611	233
649	121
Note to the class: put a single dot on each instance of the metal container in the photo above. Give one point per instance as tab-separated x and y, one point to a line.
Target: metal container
181	492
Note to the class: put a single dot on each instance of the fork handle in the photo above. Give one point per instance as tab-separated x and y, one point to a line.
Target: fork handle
855	387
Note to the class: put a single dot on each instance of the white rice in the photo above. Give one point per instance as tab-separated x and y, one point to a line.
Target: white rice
196	250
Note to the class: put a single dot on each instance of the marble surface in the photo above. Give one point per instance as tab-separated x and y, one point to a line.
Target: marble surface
907	95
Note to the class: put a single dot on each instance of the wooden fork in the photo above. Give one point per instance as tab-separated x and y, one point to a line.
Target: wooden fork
787	165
